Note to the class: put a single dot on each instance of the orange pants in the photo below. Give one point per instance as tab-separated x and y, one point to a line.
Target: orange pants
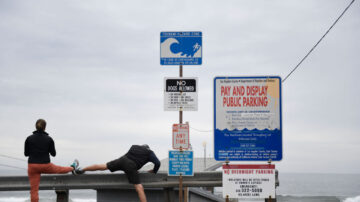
34	172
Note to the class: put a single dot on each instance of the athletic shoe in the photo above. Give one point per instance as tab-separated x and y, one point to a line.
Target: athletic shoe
75	165
79	171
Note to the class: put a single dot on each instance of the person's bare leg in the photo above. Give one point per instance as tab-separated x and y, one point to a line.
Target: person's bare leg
95	167
140	190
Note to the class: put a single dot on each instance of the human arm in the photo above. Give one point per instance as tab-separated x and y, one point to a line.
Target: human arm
26	149
155	161
52	150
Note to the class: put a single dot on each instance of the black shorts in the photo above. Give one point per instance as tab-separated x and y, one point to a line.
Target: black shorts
128	166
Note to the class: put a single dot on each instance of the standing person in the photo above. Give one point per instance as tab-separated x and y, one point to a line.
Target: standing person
38	146
130	163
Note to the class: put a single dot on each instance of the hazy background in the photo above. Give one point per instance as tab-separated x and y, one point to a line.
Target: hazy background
92	70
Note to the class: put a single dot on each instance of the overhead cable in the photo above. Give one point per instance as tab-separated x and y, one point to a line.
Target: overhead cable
203	131
10	157
319	40
9	166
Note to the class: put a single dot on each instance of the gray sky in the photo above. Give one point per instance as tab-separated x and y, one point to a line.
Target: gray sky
92	70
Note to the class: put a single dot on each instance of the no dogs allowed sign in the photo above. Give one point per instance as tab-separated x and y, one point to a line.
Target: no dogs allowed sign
180	94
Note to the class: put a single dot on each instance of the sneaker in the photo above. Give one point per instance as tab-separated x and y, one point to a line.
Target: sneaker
75	165
79	171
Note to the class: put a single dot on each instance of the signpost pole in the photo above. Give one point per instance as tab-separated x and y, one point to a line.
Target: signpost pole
180	188
180	184
180	112
180	122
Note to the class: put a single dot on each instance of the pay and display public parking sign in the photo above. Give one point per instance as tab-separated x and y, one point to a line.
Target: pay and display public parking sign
180	48
180	93
181	163
247	122
181	136
249	181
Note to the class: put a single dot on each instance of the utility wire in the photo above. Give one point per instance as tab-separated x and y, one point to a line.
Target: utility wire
203	131
10	157
319	40
302	60
4	165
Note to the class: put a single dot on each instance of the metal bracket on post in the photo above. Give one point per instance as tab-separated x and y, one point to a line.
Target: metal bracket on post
227	161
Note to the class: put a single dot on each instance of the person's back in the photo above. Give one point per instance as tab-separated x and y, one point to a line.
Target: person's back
38	146
139	154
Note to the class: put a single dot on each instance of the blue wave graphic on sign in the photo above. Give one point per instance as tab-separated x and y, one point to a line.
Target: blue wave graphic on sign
187	48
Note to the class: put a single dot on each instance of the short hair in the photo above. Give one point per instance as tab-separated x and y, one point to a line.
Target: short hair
146	146
40	125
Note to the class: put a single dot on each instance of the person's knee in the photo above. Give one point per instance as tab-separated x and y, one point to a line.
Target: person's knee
139	187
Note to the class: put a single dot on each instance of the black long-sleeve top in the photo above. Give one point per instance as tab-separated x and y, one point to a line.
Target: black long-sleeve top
38	146
142	155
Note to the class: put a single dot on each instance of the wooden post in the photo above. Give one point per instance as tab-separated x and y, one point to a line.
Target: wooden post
270	199
180	112
180	188
180	122
186	194
227	198
62	195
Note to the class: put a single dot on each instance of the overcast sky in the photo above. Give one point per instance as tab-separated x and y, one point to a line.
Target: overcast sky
92	70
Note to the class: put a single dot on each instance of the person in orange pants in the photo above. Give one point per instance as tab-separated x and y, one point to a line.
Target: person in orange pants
38	146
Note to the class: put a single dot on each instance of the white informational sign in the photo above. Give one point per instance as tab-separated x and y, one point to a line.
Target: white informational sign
180	94
180	136
247	118
249	181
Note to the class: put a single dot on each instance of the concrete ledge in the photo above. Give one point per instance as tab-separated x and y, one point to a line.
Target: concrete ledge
110	181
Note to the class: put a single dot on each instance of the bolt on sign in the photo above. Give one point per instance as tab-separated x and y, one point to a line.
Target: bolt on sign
180	94
249	181
180	136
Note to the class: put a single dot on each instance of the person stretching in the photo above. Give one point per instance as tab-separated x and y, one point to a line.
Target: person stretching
38	146
130	163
